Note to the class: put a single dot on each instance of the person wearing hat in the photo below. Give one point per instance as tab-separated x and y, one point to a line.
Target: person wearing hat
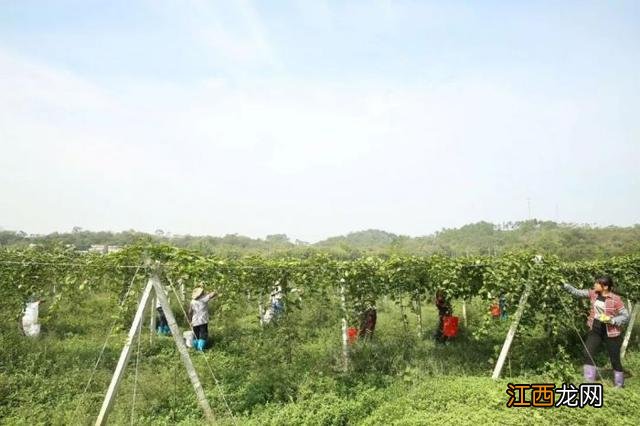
199	316
607	314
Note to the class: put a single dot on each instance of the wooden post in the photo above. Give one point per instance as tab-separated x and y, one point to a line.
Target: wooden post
627	334
512	332
184	353
109	398
152	316
261	309
182	296
345	340
464	312
419	315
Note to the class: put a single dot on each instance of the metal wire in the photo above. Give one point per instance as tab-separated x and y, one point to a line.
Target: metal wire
135	379
25	263
104	345
584	345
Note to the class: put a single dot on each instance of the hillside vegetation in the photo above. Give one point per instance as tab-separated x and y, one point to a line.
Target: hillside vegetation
568	241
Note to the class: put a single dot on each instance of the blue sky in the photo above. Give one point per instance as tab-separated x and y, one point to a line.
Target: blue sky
317	118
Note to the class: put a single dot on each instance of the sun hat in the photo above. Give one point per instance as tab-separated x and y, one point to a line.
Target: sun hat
197	292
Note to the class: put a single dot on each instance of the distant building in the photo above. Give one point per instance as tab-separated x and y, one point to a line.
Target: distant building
103	249
98	248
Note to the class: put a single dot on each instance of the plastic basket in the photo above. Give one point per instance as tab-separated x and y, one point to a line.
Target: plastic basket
450	326
495	311
352	334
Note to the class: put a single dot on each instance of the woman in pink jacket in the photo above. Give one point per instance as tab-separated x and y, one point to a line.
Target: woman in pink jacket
606	316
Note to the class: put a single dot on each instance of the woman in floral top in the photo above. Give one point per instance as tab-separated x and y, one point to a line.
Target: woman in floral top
606	316
199	316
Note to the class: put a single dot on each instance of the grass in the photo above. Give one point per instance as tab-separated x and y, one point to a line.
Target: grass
291	374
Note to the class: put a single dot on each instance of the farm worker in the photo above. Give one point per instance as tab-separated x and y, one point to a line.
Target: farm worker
199	316
502	303
607	313
368	321
29	324
162	324
277	302
444	309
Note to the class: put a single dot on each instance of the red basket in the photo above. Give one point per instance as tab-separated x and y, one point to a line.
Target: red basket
352	334
450	326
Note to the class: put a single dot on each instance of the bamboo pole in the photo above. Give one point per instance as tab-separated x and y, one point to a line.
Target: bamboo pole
464	312
419	315
152	318
512	332
182	348
627	334
109	398
261	309
345	341
152	314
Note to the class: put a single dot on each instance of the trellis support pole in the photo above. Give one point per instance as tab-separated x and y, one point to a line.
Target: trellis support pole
511	333
627	335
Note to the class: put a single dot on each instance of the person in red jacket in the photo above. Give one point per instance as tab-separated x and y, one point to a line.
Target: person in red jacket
607	314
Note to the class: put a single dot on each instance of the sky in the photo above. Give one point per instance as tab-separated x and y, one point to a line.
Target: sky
317	118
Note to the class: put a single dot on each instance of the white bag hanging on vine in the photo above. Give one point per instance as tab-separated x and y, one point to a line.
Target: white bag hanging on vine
30	319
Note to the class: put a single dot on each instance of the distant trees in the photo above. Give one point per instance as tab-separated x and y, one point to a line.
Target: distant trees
569	241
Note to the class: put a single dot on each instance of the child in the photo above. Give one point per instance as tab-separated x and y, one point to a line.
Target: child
199	316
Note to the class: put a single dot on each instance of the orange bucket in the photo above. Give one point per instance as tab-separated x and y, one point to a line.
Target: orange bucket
450	326
495	310
352	334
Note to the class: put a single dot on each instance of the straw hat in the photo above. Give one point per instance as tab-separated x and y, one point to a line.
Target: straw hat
197	292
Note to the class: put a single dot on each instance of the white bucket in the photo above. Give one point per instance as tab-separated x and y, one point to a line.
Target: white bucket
188	338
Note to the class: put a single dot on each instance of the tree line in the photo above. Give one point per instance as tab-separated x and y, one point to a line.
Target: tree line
566	240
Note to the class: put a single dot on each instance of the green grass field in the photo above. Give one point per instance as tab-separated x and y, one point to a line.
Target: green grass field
290	374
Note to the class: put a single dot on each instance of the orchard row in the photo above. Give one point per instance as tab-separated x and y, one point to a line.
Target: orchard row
59	272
